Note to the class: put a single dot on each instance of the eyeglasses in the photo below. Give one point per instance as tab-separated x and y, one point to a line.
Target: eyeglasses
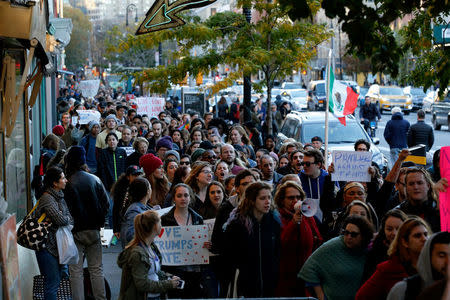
353	234
211	157
294	197
184	163
307	163
206	172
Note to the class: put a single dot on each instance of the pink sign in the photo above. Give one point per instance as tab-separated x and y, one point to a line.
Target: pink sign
444	198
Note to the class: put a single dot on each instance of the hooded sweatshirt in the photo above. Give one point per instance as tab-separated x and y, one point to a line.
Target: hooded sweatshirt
396	130
424	269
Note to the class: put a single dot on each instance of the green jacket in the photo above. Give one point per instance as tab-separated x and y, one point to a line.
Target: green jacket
135	264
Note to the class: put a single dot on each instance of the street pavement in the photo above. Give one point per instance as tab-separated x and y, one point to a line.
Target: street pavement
111	270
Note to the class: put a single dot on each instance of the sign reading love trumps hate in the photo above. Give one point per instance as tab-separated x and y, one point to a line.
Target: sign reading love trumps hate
183	245
444	197
351	166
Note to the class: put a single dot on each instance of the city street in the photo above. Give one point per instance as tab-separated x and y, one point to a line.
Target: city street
441	137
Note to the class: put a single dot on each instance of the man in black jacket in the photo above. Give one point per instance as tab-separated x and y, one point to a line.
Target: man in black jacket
421	133
368	112
88	203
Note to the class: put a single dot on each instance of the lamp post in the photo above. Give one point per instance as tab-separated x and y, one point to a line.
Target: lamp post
247	79
130	8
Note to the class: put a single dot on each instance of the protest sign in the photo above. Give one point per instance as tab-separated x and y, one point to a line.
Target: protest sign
163	211
129	150
351	166
444	198
183	245
89	88
88	115
150	106
210	224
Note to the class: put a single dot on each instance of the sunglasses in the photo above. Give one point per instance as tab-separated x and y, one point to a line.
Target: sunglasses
307	163
134	131
353	234
184	163
211	157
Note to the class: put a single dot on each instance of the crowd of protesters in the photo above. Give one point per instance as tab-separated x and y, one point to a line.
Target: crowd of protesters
370	240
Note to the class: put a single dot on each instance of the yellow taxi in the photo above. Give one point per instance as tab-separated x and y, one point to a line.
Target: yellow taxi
388	97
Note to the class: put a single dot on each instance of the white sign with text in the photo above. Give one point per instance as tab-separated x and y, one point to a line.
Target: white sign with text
351	166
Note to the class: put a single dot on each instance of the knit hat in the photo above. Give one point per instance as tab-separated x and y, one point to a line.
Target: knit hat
197	153
396	110
110	117
149	163
172	152
317	139
76	155
92	124
206	145
133	170
165	141
58	130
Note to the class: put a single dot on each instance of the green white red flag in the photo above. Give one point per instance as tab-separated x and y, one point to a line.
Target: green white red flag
342	99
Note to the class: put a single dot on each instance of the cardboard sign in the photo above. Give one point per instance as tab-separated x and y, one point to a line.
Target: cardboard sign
89	88
183	245
351	166
444	198
150	106
88	115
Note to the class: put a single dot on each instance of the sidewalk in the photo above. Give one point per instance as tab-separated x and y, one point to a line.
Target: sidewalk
111	270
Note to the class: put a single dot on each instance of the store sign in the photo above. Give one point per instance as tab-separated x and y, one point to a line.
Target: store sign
162	14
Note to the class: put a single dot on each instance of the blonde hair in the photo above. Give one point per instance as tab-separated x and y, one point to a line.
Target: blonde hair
144	224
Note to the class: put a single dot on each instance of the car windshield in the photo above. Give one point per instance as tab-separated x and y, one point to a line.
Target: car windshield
320	89
391	91
417	92
337	133
295	94
290	86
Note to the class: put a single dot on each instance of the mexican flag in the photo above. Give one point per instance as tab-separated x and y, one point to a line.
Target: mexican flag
343	100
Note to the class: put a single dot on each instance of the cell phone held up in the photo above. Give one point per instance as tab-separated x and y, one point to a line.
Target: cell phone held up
180	285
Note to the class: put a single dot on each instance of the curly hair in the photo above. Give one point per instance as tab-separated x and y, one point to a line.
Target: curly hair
364	226
281	192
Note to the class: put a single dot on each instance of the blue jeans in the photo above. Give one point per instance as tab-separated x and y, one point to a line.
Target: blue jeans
53	273
394	155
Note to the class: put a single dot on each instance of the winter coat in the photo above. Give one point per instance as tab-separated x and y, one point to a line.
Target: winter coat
421	133
88	201
298	241
111	164
127	226
133	159
396	130
387	274
369	112
88	143
119	194
255	254
135	263
429	211
425	274
376	255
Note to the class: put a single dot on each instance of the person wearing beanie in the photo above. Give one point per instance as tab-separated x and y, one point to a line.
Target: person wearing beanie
111	125
164	144
173	154
88	143
88	203
58	130
154	172
111	161
207	145
197	153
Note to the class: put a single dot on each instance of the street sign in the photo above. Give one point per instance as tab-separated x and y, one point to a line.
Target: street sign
162	14
441	34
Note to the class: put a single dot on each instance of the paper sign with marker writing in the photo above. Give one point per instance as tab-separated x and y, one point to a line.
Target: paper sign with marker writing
89	88
88	115
351	166
444	198
183	245
150	106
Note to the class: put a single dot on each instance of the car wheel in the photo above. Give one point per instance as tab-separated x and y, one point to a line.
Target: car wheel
436	126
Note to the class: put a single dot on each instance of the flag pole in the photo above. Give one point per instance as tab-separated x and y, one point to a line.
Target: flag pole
327	110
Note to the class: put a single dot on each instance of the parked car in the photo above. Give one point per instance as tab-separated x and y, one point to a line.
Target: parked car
298	99
302	126
388	97
440	111
291	86
417	95
317	94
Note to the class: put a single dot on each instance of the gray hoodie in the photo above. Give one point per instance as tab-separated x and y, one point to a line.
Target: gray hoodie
424	269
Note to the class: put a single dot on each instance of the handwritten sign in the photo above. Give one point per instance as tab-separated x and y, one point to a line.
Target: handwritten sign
88	115
89	88
150	106
444	198
129	150
183	245
351	166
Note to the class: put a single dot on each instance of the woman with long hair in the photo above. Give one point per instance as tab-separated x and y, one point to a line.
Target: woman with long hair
253	235
140	262
215	194
403	254
299	238
182	215
238	136
140	192
378	253
196	134
199	179
52	203
154	172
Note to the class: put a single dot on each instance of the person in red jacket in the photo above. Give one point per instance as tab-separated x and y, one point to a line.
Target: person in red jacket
299	238
403	255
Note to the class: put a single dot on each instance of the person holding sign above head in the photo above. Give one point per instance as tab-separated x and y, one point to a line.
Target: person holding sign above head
182	215
252	250
140	262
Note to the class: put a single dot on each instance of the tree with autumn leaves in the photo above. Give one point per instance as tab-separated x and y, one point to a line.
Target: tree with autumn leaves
272	44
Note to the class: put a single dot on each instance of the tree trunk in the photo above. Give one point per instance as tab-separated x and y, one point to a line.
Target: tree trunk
268	109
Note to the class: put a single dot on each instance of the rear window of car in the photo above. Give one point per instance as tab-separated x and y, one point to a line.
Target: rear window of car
391	91
337	133
289	128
